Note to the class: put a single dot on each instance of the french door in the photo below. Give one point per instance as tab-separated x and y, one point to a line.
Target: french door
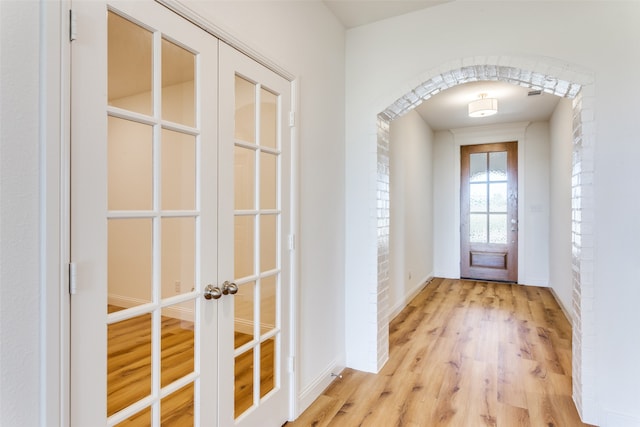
489	212
179	205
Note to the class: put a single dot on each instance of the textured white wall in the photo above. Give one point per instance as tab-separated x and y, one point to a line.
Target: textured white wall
411	229
20	293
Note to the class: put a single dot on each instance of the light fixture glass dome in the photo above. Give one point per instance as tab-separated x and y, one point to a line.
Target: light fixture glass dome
483	107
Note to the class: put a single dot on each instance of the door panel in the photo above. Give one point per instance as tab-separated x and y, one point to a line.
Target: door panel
152	226
489	212
254	152
144	227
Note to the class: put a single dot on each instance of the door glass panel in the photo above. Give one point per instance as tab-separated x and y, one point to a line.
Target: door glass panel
478	228
176	410
244	178
129	264
268	181
498	166
478	197
498	197
498	228
244	314
257	244
243	392
478	167
178	89
268	119
268	304
178	171
244	246
268	242
178	256
129	362
267	366
130	65
129	165
141	419
245	115
177	343
154	227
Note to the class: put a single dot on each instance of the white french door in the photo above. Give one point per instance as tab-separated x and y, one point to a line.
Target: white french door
254	155
179	313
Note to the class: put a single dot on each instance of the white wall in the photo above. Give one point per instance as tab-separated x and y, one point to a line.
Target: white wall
301	37
534	206
561	140
446	195
20	151
411	204
387	59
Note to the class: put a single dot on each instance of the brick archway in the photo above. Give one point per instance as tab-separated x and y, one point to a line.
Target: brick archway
552	78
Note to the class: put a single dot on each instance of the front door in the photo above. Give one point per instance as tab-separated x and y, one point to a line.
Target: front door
180	287
489	212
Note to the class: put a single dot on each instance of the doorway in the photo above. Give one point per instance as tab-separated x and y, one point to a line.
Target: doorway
180	190
489	212
540	73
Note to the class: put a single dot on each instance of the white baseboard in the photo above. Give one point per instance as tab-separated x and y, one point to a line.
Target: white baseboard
566	312
317	386
246	326
534	281
400	305
124	302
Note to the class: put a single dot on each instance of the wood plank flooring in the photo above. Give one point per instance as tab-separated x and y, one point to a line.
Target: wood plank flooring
463	353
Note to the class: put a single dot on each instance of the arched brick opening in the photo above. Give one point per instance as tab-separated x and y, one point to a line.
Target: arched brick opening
552	78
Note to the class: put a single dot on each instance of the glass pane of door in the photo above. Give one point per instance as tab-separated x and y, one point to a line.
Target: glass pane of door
253	218
488	197
143	125
256	242
153	224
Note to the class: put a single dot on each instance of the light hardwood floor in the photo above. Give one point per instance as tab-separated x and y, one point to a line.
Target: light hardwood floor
463	353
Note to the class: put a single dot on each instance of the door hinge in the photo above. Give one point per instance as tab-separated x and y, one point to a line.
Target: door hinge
73	287
292	118
73	27
292	242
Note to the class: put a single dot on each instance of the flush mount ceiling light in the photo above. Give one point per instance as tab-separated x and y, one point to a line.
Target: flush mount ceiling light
483	107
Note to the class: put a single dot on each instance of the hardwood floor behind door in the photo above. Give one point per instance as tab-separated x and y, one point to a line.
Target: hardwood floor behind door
463	353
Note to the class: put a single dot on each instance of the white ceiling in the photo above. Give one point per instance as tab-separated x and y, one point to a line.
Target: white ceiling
448	109
353	13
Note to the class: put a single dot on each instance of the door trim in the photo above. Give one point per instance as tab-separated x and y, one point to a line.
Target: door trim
500	260
225	36
485	135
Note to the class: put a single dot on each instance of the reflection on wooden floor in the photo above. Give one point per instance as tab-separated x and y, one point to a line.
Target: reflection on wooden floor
244	374
129	370
463	353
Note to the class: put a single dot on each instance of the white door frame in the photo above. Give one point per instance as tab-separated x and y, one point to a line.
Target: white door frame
55	203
